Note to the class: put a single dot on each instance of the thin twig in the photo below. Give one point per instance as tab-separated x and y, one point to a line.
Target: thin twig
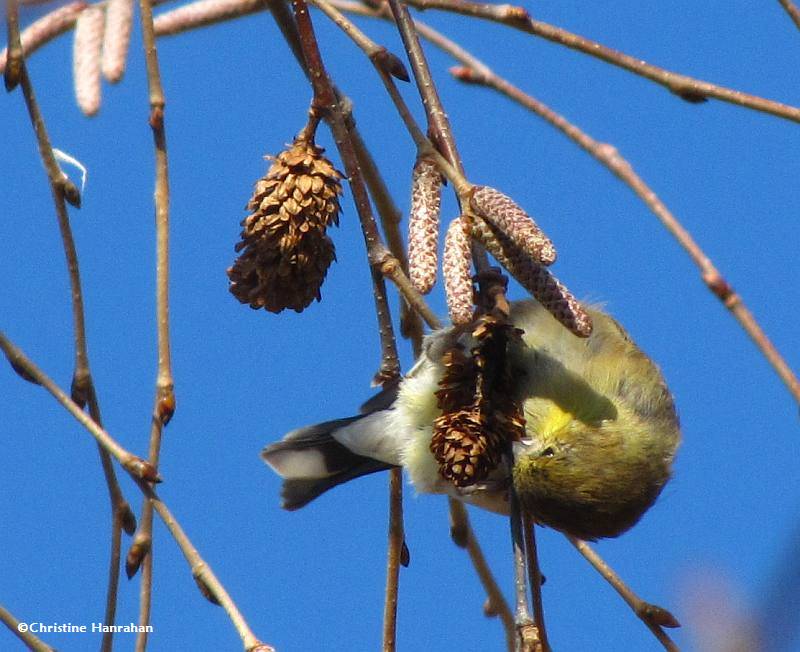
326	104
14	61
410	321
122	518
204	575
438	123
285	21
388	67
136	468
688	88
792	10
534	578
164	406
391	269
165	396
528	638
653	616
384	61
384	204
394	559
411	326
333	114
477	72
32	641
389	371
459	519
463	536
83	390
439	127
134	465
140	557
45	29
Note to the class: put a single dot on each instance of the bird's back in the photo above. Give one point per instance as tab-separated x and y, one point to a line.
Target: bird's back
589	374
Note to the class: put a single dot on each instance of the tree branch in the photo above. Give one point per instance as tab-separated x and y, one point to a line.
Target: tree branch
688	88
394	559
30	639
141	551
326	104
653	616
142	473
792	10
463	536
534	578
83	391
528	636
477	72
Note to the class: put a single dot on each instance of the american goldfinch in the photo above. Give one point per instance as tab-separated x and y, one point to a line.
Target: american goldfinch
600	430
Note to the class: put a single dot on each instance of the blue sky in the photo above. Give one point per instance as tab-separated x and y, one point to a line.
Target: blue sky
719	537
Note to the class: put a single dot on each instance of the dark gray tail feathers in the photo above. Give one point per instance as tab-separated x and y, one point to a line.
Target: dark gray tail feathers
311	461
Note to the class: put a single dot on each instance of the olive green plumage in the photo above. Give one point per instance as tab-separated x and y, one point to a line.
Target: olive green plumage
600	430
601	423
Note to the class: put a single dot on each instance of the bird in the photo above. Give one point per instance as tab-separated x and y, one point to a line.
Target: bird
601	430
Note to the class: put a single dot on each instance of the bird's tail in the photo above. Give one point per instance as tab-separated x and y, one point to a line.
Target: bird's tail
311	461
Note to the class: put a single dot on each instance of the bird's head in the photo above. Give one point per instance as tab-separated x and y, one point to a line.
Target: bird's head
590	479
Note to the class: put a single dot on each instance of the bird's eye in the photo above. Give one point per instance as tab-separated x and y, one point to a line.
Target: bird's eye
548	452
